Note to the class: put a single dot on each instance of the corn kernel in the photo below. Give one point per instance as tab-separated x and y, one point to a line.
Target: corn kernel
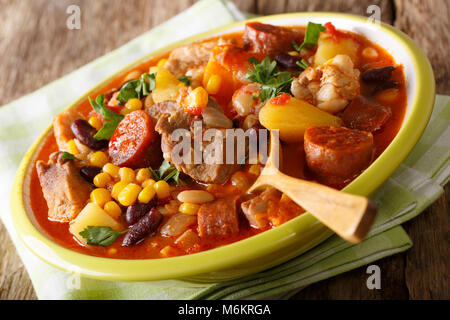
100	196
148	182
189	208
146	194
117	189
126	174
213	85
129	194
112	170
161	62
102	179
98	159
134	104
255	169
113	209
162	189
142	175
95	122
196	101
72	147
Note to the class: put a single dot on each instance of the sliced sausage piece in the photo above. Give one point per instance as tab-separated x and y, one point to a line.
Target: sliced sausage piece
218	218
336	154
269	40
363	114
132	144
65	191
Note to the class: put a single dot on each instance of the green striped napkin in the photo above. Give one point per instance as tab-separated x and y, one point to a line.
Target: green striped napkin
415	185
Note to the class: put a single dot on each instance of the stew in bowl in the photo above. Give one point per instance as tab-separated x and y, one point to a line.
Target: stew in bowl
157	162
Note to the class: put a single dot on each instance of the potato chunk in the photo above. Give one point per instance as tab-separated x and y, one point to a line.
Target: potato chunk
294	117
92	215
328	47
166	86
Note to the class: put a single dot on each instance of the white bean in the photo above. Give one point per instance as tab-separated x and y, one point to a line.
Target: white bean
195	196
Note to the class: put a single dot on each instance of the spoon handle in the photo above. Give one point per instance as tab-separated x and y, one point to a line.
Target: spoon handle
350	216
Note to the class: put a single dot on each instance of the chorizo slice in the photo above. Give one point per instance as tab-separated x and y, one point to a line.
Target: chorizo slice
363	114
132	144
218	218
337	154
269	40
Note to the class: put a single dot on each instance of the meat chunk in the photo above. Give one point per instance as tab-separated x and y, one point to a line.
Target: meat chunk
363	114
337	154
61	127
214	117
156	110
182	153
218	218
65	191
191	60
269	40
330	86
255	209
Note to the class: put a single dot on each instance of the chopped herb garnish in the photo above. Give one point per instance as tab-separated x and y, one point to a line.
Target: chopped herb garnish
112	119
303	64
100	236
312	33
166	172
68	156
272	80
137	88
185	79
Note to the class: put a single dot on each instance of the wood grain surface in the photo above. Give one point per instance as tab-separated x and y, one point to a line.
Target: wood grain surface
36	48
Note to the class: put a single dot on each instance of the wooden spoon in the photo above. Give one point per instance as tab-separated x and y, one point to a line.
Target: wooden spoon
350	216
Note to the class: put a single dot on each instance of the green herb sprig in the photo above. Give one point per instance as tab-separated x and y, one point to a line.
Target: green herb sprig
137	88
273	82
185	79
312	34
112	119
303	64
68	156
100	236
166	172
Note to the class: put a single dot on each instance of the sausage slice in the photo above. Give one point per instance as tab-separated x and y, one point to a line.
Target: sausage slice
337	154
269	40
363	114
130	143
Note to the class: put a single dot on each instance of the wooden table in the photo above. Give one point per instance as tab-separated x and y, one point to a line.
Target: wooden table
36	48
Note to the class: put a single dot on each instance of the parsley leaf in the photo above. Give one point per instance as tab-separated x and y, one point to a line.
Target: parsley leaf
312	33
303	64
68	156
100	236
272	80
112	119
166	172
185	79
137	88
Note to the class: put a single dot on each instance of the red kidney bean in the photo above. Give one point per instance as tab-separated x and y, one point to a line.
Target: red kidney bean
379	74
287	61
88	173
384	85
84	132
138	210
144	227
